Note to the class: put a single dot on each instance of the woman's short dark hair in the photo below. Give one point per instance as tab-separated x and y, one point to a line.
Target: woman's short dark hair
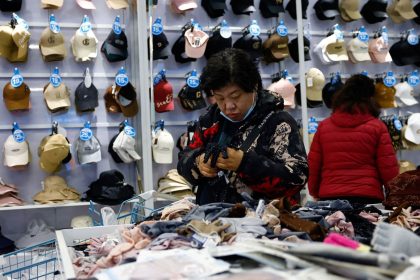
356	96
230	66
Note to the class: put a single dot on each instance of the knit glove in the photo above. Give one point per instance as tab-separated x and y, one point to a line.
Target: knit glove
245	225
212	151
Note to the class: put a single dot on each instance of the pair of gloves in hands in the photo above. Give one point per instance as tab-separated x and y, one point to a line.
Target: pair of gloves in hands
212	151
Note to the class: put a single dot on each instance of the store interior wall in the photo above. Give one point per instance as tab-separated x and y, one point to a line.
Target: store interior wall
38	119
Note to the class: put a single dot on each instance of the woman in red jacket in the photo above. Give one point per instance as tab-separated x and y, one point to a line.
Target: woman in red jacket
351	156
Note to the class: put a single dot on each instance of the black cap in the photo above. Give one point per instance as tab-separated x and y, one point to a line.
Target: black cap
115	47
375	11
160	43
403	53
291	8
242	7
250	44
294	49
214	8
326	9
191	98
329	90
110	188
417	11
217	43
178	50
10	5
271	8
309	103
86	98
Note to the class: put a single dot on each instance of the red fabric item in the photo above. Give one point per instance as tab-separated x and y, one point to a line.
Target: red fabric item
351	156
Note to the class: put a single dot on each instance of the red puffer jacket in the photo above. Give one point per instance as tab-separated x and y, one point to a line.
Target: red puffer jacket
351	156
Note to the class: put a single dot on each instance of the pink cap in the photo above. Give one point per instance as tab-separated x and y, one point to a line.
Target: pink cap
181	6
86	4
195	42
284	88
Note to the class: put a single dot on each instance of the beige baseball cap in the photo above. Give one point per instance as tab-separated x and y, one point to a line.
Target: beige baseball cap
117	4
52	150
52	45
52	4
349	10
394	15
336	50
57	98
84	45
358	51
315	81
405	9
19	50
16	154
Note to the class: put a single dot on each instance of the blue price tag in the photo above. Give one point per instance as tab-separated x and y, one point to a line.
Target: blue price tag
157	27
312	126
193	81
254	29
86	26
225	32
282	29
85	134
412	38
397	124
116	27
16	80
21	21
363	36
121	80
55	80
54	27
19	136
384	35
389	79
413	80
130	131
338	33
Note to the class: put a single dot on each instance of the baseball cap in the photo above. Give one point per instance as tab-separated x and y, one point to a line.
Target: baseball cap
55	189
117	4
86	98
37	232
124	145
178	50
111	104
374	11
162	146
53	151
217	43
10	5
291	8
294	50
285	89
412	132
111	151
84	45
115	47
214	8
81	222
406	165
379	51
271	8
309	103
195	42
326	9
330	50
163	96
408	145
52	4
16	154
191	98
405	9
16	98
349	10
395	16
251	44
275	48
18	51
88	151
160	43
330	89
57	98
384	96
405	93
181	6
245	7
403	53
358	51
126	98
52	45
315	82
86	4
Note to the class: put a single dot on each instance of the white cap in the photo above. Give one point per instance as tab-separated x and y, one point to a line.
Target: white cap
81	222
124	146
88	151
412	132
315	82
84	45
358	50
163	145
319	49
405	93
15	154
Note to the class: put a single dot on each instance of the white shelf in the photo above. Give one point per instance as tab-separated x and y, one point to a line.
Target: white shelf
43	206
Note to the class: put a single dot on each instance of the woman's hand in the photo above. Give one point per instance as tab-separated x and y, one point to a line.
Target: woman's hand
205	169
233	160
